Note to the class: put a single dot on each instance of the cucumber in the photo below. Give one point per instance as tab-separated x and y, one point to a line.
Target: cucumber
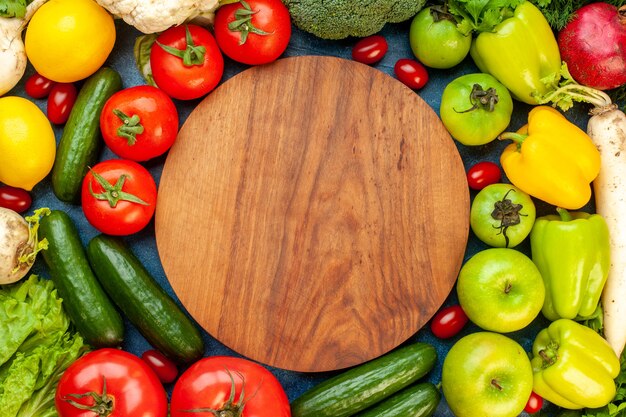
365	385
420	400
81	138
155	314
84	300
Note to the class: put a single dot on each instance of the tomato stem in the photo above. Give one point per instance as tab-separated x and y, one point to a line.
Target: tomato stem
482	99
130	128
191	55
243	23
230	408
113	193
508	213
102	403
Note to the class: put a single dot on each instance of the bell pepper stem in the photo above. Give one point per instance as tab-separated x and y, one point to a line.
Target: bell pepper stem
564	214
518	138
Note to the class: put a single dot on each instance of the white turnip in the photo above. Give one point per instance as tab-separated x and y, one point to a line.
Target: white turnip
593	44
19	244
607	129
12	52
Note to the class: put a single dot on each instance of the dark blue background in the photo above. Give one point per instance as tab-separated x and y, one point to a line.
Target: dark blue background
144	246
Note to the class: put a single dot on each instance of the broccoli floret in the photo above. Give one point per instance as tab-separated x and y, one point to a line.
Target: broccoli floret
338	19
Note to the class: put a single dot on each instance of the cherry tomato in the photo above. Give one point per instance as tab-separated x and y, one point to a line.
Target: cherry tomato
448	322
139	123
132	388
60	102
207	385
164	368
411	73
253	32
16	199
483	174
118	197
38	86
534	404
370	50
181	69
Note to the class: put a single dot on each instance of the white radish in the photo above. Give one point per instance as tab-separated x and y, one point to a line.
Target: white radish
12	52
607	129
19	244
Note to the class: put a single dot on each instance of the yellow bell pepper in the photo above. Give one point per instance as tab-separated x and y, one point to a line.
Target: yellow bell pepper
551	159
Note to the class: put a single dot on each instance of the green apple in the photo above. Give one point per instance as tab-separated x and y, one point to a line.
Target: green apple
500	290
486	374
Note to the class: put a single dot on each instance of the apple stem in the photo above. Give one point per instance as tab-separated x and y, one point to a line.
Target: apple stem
495	383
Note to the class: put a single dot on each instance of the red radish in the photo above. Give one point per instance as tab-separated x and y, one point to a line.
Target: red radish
593	45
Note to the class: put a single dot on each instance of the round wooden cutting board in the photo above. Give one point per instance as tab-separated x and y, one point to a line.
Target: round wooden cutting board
313	213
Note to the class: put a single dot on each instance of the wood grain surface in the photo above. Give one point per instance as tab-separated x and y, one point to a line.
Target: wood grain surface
312	214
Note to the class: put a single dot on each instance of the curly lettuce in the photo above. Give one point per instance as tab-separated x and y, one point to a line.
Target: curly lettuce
38	345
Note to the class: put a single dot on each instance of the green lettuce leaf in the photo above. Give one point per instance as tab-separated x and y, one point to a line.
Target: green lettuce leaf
30	311
13	8
39	346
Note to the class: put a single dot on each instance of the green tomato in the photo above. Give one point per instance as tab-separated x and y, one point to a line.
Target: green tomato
435	40
502	215
476	108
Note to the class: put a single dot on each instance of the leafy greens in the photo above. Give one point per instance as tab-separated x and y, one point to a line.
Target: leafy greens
481	15
38	345
13	8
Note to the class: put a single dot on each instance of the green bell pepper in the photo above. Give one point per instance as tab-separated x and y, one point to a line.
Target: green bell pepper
573	366
519	52
572	253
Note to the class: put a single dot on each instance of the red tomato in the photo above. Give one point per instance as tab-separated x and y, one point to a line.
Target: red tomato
60	102
15	199
253	32
118	197
448	322
534	404
182	70
370	50
139	123
164	368
38	86
411	73
483	174
207	385
132	389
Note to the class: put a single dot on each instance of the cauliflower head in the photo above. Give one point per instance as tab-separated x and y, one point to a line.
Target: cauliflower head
338	19
153	16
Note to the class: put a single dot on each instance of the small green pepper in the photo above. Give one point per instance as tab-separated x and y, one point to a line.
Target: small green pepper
519	52
475	108
573	366
572	253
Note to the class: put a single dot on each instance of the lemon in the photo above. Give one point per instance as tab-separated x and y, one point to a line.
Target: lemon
68	40
27	143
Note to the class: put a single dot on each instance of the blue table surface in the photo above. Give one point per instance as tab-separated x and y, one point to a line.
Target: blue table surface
143	243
